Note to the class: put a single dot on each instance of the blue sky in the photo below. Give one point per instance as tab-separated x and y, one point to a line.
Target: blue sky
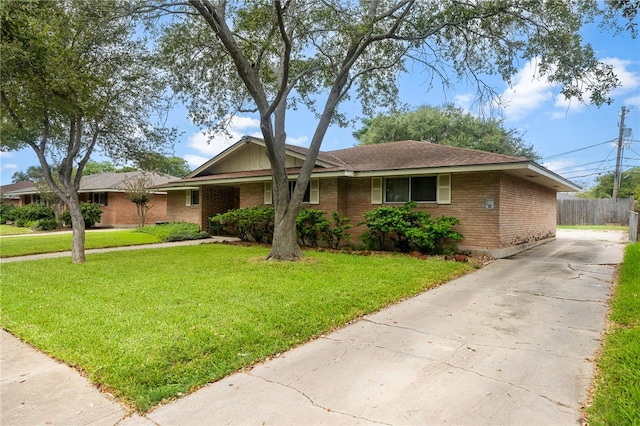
552	125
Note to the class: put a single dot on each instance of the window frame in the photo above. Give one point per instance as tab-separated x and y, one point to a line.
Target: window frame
189	201
409	185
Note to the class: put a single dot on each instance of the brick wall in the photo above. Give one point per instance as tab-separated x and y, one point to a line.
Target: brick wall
217	199
522	212
527	213
178	211
120	211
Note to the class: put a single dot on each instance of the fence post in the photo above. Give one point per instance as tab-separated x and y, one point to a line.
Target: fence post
633	227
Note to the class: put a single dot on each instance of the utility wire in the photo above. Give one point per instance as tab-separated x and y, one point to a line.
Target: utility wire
576	150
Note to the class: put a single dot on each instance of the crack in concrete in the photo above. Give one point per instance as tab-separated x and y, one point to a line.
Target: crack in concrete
582	273
315	404
469	343
568	299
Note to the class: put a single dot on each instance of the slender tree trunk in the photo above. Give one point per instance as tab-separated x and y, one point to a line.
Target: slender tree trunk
77	247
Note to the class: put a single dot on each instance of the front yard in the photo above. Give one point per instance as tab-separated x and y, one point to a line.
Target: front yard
152	325
18	245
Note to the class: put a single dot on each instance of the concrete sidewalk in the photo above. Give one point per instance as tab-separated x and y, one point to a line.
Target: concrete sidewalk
213	239
512	343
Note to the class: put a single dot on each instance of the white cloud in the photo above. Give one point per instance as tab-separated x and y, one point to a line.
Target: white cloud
300	141
214	143
208	145
629	80
9	166
195	160
559	166
7	154
528	92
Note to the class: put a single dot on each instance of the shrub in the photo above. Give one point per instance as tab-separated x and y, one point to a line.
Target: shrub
7	213
251	222
333	235
45	225
407	228
91	213
175	231
309	224
26	216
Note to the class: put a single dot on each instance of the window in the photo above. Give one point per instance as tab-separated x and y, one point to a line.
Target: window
311	195
420	189
307	193
193	197
101	198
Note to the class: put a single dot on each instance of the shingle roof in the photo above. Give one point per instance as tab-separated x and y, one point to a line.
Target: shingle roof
100	182
416	155
114	181
403	157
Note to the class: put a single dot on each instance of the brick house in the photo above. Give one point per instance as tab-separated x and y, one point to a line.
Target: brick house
505	204
107	190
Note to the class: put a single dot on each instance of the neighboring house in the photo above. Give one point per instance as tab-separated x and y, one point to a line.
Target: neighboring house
107	190
505	204
7	192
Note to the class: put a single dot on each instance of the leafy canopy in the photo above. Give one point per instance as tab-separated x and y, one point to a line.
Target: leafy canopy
629	185
446	126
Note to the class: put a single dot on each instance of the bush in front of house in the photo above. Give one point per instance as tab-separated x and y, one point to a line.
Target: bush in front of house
175	231
309	225
408	229
27	216
251	222
46	225
256	223
91	213
7	213
337	232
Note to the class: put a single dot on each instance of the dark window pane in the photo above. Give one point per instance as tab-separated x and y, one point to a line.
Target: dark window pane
396	190
424	188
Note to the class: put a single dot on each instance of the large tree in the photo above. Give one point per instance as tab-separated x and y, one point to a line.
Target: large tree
629	185
446	126
271	57
75	79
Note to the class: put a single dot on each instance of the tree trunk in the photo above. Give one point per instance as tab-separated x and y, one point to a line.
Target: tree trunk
77	246
285	242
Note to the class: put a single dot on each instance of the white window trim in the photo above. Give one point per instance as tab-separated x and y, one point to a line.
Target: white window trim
443	195
314	191
268	193
188	199
376	190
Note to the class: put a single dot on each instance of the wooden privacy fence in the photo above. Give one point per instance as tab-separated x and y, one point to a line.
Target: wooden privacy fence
601	211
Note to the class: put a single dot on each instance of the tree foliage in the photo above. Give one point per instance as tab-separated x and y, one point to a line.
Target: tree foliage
137	189
446	126
158	163
629	185
273	57
75	79
32	174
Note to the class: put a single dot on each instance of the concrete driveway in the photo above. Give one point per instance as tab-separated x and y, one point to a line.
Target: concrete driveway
510	344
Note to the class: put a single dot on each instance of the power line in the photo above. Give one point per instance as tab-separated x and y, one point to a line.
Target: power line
577	150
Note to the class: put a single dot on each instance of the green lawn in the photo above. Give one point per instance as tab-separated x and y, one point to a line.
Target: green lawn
151	325
56	242
14	230
617	392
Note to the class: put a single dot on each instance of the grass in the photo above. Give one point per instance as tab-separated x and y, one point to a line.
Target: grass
56	242
14	230
617	392
152	325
